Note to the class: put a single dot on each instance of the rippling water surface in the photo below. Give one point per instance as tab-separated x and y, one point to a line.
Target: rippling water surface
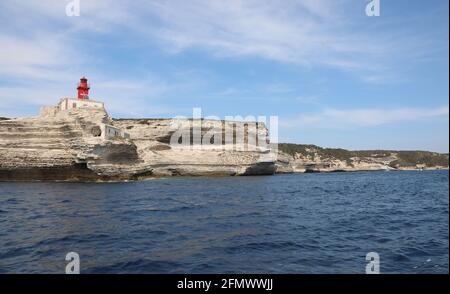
299	223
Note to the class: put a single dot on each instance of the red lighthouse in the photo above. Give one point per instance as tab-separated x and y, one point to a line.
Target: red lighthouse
83	89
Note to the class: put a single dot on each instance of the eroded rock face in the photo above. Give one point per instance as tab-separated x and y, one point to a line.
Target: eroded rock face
162	157
69	146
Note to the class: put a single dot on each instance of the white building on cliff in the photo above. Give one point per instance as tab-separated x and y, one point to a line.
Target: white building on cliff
83	101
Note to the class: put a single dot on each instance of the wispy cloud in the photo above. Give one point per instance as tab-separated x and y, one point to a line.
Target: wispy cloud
295	32
303	33
354	118
39	57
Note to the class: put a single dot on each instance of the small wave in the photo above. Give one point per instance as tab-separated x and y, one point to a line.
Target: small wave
414	251
73	239
263	246
14	252
384	240
399	257
136	266
13	201
429	266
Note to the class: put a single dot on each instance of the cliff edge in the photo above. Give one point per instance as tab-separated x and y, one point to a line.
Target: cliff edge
85	144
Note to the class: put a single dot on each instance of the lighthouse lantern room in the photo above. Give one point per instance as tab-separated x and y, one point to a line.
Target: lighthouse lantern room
82	101
83	89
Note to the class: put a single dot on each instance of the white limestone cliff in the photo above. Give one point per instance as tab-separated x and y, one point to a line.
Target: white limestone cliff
72	145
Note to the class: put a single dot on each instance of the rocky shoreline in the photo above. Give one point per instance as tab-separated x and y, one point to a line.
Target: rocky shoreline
70	146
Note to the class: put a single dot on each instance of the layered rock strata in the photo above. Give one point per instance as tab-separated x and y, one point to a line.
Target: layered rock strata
69	146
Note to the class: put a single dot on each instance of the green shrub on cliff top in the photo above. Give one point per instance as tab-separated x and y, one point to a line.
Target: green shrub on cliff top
404	158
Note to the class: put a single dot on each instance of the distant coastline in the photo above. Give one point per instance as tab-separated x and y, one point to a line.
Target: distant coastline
312	158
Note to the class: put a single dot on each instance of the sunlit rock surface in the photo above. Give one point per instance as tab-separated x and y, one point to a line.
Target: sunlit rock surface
69	146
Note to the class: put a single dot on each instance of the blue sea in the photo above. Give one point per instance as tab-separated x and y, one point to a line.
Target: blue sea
294	223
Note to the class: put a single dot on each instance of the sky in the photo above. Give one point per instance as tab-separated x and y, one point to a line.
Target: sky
334	76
